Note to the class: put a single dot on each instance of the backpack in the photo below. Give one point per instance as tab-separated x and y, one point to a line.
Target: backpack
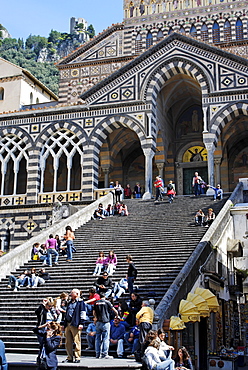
169	187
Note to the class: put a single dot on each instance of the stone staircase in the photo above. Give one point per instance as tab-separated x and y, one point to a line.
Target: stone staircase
159	236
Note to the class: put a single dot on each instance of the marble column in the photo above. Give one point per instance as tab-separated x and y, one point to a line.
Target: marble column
160	166
149	154
106	170
217	162
210	148
179	178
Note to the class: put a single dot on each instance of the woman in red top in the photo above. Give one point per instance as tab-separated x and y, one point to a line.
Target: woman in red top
158	186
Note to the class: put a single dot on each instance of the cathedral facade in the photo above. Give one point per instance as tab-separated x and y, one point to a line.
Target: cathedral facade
165	92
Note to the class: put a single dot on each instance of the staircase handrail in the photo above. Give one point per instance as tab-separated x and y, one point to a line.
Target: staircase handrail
22	254
184	281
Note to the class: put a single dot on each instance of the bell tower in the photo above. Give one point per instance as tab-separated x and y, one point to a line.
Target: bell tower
219	22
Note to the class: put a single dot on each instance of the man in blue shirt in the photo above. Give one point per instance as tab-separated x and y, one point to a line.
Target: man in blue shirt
91	334
117	332
218	192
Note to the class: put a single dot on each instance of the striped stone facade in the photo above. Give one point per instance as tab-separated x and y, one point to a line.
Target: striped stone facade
128	114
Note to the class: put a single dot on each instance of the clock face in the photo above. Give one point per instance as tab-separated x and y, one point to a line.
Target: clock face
195	154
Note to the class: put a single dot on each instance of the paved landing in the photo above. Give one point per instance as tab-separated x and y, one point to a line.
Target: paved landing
25	361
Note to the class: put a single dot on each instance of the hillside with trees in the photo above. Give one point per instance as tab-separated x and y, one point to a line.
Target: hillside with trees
39	54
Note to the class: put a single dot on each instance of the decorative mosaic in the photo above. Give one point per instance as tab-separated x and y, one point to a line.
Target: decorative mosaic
89	122
19	200
65	73
35	128
74	197
231	79
75	72
30	226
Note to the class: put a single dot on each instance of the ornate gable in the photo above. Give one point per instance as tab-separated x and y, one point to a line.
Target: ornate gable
107	44
215	70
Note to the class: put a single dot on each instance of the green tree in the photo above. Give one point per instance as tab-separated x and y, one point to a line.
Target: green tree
9	43
91	31
54	37
36	43
79	27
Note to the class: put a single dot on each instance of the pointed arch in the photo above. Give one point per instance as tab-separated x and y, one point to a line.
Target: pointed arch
239	29
182	30
14	146
138	43
204	32
58	145
216	32
110	124
193	31
160	35
227	31
169	69
149	40
225	115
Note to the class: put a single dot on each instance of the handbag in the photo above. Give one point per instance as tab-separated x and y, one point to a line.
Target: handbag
42	364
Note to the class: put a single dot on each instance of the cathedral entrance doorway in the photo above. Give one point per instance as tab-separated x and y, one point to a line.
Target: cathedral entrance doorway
122	159
188	174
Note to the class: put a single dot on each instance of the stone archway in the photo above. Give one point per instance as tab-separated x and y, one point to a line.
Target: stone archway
224	116
121	158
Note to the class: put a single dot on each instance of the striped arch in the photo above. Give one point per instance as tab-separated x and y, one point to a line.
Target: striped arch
22	135
227	114
110	124
51	130
97	138
12	142
59	139
167	70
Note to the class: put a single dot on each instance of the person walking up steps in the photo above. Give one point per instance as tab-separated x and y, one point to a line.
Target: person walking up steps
131	273
69	237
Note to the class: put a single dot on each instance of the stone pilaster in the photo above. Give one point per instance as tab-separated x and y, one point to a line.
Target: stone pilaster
149	154
33	176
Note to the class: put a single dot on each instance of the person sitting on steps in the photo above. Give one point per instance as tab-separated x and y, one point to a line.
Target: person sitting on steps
210	217
199	218
100	264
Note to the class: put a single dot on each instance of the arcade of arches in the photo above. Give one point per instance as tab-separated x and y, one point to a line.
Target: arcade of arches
179	150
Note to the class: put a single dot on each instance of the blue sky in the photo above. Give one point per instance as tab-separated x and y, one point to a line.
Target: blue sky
25	17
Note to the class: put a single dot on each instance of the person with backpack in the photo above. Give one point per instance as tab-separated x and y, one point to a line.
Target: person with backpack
171	192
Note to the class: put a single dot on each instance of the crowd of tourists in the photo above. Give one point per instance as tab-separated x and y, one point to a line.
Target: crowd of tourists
53	247
118	209
113	315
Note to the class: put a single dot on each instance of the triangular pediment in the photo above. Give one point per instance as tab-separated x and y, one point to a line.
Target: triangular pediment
105	45
221	71
8	69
